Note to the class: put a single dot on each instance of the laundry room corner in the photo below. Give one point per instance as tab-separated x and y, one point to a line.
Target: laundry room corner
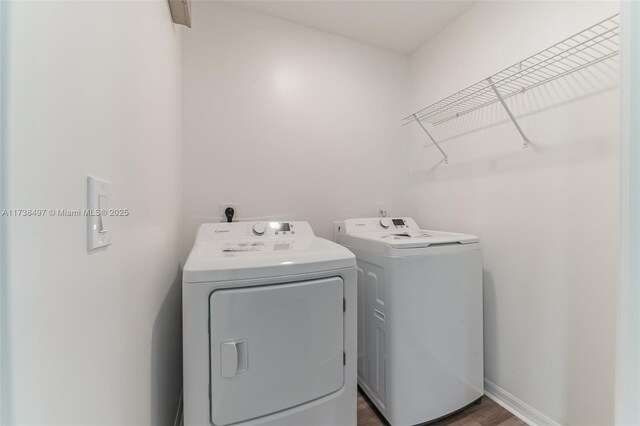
537	210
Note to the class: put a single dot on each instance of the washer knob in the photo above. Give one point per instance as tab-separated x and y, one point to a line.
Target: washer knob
259	229
384	223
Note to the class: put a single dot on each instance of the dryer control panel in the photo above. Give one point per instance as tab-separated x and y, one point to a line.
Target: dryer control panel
376	224
254	230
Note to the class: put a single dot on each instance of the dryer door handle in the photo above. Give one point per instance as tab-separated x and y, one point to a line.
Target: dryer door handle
233	358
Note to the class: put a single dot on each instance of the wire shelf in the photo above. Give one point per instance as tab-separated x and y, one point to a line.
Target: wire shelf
595	44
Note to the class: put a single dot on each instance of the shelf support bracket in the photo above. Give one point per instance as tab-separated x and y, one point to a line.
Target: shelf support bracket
511	116
424	129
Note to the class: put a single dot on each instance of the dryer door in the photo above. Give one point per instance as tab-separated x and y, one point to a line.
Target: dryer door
274	347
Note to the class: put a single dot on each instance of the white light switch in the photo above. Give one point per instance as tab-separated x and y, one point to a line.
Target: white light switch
98	231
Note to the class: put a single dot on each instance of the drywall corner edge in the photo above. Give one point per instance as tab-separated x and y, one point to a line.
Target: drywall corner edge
627	389
4	394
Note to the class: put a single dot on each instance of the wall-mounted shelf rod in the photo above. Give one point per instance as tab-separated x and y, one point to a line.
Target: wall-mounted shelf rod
509	113
446	159
588	47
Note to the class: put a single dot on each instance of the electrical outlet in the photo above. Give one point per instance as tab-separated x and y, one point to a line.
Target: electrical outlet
337	228
223	207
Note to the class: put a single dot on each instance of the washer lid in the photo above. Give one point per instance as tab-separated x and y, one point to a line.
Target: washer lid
417	239
219	255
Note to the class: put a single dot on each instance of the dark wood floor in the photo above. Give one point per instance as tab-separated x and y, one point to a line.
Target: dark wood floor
487	413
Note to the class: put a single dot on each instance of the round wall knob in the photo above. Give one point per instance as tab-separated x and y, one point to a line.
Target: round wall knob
384	223
259	229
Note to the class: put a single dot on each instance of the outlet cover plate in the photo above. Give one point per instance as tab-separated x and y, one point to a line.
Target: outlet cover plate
223	207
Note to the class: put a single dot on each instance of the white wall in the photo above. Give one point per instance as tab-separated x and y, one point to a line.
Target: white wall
94	88
3	248
289	122
628	359
548	216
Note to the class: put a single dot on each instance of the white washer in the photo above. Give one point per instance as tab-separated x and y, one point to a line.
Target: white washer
420	343
269	327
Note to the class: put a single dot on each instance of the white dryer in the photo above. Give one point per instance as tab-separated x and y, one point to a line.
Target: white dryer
269	327
420	335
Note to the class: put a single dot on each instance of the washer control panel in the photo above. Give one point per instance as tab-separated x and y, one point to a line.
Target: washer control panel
387	223
379	224
282	228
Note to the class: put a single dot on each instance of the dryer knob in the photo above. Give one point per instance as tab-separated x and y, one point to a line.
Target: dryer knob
259	229
384	223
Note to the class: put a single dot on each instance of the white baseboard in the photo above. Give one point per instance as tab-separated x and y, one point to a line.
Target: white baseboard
517	407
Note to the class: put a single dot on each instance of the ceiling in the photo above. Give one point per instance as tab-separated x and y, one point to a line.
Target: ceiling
400	26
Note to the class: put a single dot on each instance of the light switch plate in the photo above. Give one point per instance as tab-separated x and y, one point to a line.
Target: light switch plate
98	198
